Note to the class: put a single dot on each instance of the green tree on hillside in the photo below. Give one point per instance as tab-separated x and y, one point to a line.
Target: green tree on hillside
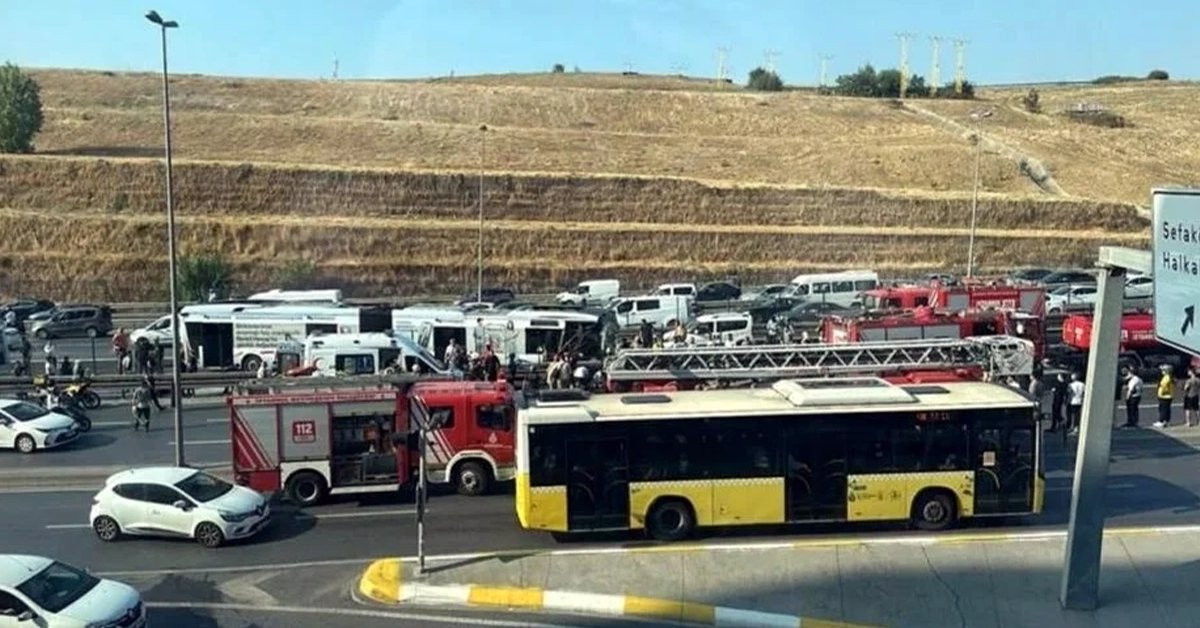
764	81
558	68
1158	75
864	82
20	110
200	273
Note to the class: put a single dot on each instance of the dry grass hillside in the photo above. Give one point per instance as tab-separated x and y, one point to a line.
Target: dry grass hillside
646	178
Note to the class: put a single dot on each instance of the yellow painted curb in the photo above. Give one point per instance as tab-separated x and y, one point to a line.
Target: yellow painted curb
382	580
511	597
656	608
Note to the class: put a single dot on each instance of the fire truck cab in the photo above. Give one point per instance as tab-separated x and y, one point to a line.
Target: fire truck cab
1140	349
311	439
970	296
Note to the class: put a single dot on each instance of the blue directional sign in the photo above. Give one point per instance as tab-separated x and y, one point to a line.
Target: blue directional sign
1177	268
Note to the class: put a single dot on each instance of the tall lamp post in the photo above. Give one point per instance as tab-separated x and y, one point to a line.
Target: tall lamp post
176	399
479	248
977	116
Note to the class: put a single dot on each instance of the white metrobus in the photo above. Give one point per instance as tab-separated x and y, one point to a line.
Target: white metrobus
247	335
532	335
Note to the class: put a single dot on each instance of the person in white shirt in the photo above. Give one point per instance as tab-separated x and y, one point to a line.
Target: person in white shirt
1132	396
1074	403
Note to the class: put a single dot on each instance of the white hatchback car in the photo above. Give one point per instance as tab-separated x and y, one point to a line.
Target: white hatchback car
179	502
40	592
27	427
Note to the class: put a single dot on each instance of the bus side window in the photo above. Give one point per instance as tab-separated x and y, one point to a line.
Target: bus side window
744	451
546	466
670	451
945	447
869	450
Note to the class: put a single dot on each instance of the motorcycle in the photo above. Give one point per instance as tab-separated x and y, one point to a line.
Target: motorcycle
55	401
82	392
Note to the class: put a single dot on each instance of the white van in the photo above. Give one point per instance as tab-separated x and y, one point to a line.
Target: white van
367	354
297	296
719	328
593	292
673	289
660	311
841	288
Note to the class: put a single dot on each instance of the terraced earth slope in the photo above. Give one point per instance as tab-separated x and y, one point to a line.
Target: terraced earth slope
643	178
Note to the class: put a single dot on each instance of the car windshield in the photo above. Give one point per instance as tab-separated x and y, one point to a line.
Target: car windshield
203	487
57	586
25	411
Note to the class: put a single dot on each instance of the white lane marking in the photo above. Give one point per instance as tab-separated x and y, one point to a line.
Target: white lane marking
223	420
245	588
218	441
67	526
358	612
356	515
47	489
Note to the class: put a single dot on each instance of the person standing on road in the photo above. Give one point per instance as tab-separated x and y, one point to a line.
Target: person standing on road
1166	394
1132	396
646	334
1058	398
141	406
159	355
1191	398
120	348
1037	390
1075	392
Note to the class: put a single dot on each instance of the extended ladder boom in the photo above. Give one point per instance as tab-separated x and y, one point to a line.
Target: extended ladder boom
996	355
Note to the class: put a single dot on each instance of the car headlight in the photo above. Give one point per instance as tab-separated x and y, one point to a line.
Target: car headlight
234	517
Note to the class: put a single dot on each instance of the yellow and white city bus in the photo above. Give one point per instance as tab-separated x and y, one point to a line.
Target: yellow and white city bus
808	450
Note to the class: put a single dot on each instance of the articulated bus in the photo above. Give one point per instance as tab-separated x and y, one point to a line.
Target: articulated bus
807	450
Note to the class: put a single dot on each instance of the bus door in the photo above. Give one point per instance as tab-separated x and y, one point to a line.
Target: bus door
815	467
1004	467
597	484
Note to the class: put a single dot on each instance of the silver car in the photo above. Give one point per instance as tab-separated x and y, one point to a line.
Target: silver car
82	320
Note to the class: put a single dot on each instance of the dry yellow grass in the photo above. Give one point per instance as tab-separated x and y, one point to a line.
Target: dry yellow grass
647	178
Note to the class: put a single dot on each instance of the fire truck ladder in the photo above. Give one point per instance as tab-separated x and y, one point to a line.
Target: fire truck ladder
996	355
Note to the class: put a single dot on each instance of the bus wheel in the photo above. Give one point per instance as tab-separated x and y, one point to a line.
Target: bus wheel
306	488
670	520
934	510
471	478
251	363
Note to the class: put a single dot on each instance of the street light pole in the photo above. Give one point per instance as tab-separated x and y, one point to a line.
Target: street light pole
978	116
176	398
479	249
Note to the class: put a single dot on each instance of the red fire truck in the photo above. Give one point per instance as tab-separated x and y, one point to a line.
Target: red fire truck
1139	346
925	322
971	296
311	439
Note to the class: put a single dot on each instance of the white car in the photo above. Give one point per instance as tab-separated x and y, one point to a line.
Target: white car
159	330
1139	287
1067	297
178	502
42	593
27	427
720	328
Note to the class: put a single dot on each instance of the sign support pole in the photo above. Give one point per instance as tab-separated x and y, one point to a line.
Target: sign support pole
421	488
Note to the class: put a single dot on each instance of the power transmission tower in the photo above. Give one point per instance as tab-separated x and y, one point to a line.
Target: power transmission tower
771	55
722	66
628	67
904	37
935	72
960	65
824	68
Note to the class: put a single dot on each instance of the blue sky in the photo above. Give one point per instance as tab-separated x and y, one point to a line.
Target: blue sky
1009	40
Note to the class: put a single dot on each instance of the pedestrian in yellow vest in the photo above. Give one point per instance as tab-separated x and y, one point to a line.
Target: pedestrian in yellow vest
1166	394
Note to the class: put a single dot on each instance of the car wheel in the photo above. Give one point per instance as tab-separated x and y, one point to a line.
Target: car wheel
107	529
471	478
91	332
670	520
306	488
41	334
209	535
934	510
26	444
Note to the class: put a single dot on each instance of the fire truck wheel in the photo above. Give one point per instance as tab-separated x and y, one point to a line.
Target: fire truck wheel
306	488
472	478
670	520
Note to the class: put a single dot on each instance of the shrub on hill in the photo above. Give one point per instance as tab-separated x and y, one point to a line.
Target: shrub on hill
866	82
1110	79
1158	75
764	80
20	110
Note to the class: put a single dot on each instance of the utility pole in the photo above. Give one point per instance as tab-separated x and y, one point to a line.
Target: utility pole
722	67
903	37
978	117
628	67
335	67
935	72
960	65
770	55
176	398
824	69
479	251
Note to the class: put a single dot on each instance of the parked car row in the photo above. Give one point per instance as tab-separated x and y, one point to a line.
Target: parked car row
44	319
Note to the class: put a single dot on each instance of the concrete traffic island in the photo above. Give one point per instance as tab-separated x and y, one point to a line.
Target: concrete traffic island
957	579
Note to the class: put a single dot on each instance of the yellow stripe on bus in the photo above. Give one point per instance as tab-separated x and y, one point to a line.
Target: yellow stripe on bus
889	496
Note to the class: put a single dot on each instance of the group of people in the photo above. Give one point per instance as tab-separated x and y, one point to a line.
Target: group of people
484	366
1067	393
137	357
566	371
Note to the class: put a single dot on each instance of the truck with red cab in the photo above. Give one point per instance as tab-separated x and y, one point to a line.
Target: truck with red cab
926	322
1139	349
966	296
316	437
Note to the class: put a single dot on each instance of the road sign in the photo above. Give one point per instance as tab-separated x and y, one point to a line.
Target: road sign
1177	268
